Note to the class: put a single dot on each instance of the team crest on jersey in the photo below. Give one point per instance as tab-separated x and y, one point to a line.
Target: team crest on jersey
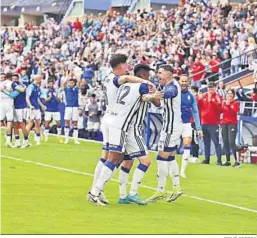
188	97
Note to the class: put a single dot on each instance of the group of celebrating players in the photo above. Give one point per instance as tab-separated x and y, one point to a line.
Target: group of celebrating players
127	99
22	106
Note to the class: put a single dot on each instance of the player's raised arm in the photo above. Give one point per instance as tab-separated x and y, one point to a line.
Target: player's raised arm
133	79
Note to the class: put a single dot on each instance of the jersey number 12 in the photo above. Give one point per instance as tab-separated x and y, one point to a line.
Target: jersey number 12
122	94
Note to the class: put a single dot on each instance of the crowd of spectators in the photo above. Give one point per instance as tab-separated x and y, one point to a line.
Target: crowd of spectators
194	38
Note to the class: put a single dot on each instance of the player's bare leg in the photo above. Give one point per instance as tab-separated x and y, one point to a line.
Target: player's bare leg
186	154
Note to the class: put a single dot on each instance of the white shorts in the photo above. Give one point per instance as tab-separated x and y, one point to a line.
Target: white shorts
6	111
117	139
170	142
187	130
93	126
52	115
34	114
20	115
129	142
71	113
135	144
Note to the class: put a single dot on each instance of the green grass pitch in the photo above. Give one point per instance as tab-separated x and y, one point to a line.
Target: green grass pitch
37	199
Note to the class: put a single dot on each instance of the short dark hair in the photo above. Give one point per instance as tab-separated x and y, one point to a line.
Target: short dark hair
72	79
15	75
195	88
8	75
166	67
118	59
139	68
93	95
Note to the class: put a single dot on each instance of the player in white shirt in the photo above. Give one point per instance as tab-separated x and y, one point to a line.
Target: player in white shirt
111	85
7	103
170	136
34	103
136	140
125	137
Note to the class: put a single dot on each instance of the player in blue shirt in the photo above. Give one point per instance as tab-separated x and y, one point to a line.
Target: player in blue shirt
188	108
34	103
71	91
52	109
20	107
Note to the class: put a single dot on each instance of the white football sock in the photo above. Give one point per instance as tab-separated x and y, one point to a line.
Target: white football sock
185	158
17	140
38	137
59	131
75	133
8	138
123	181
137	178
105	176
174	172
98	169
46	132
66	132
162	174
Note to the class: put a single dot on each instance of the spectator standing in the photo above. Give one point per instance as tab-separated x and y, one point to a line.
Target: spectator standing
215	67
197	72
235	58
93	111
210	109
82	123
221	90
230	109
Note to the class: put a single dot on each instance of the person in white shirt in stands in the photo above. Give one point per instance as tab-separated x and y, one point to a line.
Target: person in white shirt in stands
82	123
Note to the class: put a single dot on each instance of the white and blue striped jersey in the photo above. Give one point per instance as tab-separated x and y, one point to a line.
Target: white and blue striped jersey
127	105
172	107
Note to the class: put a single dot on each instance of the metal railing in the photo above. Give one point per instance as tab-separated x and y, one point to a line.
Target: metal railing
248	108
64	9
228	67
68	11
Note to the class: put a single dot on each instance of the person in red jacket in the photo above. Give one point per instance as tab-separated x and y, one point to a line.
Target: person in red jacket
77	25
210	110
197	72
214	64
230	109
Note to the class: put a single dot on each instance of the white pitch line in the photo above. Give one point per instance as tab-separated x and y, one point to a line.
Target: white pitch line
115	180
